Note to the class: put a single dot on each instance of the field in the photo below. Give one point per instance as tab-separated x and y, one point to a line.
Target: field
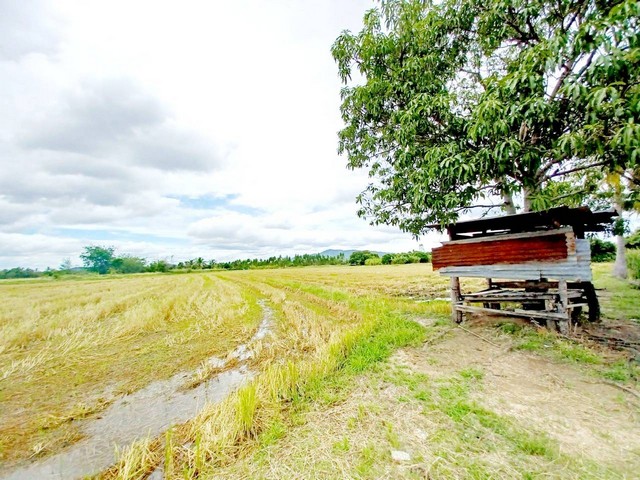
349	372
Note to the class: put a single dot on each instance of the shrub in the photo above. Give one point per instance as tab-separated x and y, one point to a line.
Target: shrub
421	257
158	266
19	272
387	258
401	258
128	264
358	258
633	263
373	261
602	251
633	240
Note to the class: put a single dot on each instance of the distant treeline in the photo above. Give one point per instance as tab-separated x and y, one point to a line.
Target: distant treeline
366	257
103	260
271	262
19	272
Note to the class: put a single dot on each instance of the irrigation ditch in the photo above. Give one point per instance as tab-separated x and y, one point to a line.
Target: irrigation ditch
149	412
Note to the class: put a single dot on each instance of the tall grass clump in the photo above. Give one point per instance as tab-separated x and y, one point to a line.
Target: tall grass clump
633	263
136	462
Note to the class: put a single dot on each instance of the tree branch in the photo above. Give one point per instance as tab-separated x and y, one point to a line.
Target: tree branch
567	195
524	37
588	64
473	74
566	70
460	209
578	169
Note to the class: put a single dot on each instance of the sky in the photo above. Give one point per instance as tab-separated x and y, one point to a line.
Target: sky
173	130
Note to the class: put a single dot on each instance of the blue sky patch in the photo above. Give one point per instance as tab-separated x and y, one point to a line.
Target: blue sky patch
210	202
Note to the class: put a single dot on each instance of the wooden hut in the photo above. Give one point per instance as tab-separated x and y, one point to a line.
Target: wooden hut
538	264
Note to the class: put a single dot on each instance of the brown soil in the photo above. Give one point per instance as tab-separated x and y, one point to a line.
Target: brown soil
616	335
584	415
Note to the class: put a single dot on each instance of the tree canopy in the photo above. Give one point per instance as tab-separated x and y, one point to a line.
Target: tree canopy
98	259
451	105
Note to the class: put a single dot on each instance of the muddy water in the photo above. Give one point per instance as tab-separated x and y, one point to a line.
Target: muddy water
145	413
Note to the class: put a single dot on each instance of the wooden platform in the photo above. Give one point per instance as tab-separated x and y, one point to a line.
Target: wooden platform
552	302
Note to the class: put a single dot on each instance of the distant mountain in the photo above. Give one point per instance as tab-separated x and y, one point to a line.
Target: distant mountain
346	253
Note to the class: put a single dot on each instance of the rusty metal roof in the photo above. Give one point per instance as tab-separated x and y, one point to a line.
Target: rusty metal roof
581	219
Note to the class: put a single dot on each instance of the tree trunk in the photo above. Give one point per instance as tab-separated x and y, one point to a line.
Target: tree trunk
620	267
509	207
526	193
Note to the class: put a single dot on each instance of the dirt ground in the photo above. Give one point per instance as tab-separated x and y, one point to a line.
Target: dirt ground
614	334
393	423
583	414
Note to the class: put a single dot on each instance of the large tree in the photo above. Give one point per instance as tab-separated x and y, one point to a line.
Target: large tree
98	259
451	105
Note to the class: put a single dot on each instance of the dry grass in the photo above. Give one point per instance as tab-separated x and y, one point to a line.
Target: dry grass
69	348
320	329
331	325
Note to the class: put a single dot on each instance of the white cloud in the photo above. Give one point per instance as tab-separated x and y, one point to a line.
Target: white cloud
114	111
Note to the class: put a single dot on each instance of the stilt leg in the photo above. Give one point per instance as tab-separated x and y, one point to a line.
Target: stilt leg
564	325
456	316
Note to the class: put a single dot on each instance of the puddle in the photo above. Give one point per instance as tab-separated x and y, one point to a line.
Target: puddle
145	413
243	352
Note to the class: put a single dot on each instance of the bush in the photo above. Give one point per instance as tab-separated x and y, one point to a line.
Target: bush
158	266
387	258
633	264
401	258
128	264
633	240
421	257
602	251
358	258
19	272
373	261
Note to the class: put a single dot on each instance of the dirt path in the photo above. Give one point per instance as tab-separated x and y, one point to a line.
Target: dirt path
583	414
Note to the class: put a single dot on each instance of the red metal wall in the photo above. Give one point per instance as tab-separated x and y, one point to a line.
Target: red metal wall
491	251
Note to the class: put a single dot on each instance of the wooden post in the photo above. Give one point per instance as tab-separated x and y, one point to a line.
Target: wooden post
456	316
550	306
564	325
592	301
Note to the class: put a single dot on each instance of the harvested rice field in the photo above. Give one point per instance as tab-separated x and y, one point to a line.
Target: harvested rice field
315	372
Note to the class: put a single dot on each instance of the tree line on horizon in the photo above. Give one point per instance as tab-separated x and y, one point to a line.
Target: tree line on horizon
103	260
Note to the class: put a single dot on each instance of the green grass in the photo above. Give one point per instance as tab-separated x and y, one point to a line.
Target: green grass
633	263
598	361
619	299
622	371
471	435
